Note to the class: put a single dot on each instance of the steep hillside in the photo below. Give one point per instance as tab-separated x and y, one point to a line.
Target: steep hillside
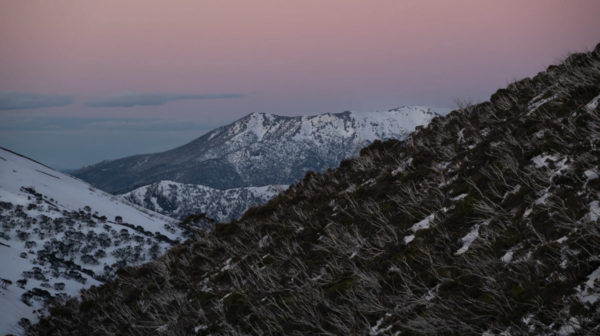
58	235
259	149
179	200
486	222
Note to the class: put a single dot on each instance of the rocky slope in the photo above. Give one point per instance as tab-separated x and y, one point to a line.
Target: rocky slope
486	222
58	235
179	200
259	149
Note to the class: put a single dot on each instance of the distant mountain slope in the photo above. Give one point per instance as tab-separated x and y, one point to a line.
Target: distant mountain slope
486	222
259	149
178	200
58	235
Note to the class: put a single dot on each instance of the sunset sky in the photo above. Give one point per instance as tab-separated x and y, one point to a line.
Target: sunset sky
82	81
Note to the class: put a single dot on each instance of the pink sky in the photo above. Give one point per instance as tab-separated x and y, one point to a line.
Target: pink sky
285	57
290	56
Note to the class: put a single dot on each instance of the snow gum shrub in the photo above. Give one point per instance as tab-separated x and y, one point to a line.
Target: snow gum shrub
24	323
336	288
513	200
62	311
4	283
346	163
512	236
225	229
236	306
263	210
196	219
131	296
575	206
155	285
143	271
465	209
374	146
543	223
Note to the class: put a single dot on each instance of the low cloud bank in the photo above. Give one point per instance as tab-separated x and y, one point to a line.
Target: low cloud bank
151	99
13	100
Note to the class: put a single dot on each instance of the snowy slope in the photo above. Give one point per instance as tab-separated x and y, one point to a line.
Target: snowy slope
59	235
178	200
260	149
68	192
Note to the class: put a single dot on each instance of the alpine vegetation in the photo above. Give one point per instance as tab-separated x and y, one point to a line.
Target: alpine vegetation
485	222
58	235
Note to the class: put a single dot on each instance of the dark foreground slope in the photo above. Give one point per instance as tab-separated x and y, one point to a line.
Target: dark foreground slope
484	222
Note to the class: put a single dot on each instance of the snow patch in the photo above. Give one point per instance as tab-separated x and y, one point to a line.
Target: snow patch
593	104
590	174
200	327
590	293
537	103
377	329
227	265
263	242
559	165
469	238
461	136
459	197
394	269
402	167
507	257
542	199
540	161
570	327
431	293
594	213
421	225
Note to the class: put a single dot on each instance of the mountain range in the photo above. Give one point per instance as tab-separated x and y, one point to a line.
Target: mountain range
258	150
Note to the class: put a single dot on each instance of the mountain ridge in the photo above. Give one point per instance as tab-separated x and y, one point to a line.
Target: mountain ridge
258	149
178	200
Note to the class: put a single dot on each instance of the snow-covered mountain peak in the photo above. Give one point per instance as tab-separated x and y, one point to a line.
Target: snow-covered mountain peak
257	123
367	125
261	149
377	125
